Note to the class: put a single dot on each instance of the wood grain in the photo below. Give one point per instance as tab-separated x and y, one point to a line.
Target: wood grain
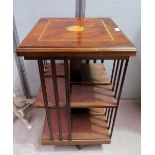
93	129
89	38
92	96
49	37
82	95
95	73
59	70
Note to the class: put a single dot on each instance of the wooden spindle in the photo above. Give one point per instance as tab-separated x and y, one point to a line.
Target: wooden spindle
115	76
119	95
41	70
67	87
56	95
113	69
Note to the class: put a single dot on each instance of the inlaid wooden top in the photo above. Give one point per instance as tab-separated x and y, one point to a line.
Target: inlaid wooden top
75	37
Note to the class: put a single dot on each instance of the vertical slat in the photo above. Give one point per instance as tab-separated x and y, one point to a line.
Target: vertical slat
95	61
115	76
45	63
119	95
123	78
113	68
41	71
105	112
67	87
118	79
56	95
110	118
108	114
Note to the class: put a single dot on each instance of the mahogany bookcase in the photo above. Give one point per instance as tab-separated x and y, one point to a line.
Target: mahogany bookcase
81	100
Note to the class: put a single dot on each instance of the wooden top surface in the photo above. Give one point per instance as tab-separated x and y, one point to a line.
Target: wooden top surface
73	36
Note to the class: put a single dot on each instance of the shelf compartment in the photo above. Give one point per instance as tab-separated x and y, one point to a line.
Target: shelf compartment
39	102
91	73
92	96
94	73
81	96
85	95
86	129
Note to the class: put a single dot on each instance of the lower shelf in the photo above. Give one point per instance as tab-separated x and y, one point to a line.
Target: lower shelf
87	128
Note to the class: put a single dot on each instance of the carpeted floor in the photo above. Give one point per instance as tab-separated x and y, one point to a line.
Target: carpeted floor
126	138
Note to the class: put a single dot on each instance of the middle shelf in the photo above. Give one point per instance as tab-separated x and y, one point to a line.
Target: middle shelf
81	96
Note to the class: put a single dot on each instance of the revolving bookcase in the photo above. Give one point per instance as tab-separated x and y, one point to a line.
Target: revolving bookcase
80	98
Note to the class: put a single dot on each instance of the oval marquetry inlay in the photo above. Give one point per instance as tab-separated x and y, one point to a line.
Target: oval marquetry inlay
75	28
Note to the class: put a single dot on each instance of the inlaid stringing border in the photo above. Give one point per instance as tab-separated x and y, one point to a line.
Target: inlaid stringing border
43	30
107	29
102	21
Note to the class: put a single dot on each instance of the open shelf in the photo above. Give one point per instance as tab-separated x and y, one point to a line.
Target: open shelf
95	96
85	127
91	73
39	103
94	73
88	100
81	96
